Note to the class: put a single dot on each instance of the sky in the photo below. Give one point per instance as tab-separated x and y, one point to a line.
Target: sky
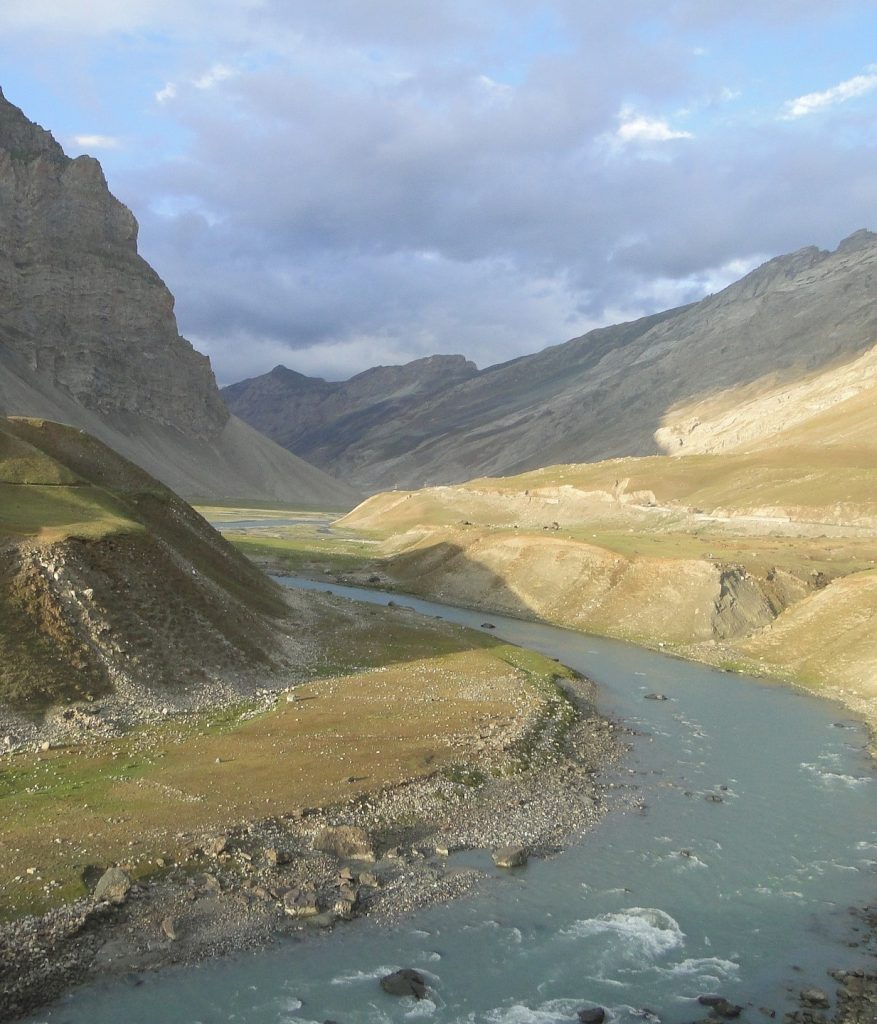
336	184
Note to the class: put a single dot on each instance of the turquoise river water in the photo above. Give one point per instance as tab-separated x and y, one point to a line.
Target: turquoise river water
757	907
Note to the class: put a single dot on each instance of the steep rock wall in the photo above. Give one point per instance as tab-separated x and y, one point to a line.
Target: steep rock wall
77	303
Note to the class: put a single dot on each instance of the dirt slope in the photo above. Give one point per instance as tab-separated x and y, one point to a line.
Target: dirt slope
760	559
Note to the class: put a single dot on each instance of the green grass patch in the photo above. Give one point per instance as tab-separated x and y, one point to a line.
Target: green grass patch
465	775
31	510
135	798
297	549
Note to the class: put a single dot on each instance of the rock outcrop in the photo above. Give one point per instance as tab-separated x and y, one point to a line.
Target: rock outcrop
88	335
83	310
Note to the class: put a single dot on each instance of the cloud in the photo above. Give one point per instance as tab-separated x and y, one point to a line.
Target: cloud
383	180
637	128
107	17
167	92
813	102
97	141
207	80
216	74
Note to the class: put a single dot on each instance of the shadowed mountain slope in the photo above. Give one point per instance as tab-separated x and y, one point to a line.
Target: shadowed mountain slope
602	395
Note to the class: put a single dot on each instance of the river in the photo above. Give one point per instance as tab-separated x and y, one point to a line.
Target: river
759	834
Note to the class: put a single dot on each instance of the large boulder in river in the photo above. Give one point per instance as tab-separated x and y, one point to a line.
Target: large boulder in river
348	842
591	1015
114	885
404	982
720	1007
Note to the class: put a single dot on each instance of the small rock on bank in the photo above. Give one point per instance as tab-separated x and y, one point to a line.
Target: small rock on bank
348	842
113	885
510	857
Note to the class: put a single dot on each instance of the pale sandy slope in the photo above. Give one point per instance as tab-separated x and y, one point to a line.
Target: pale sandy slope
837	405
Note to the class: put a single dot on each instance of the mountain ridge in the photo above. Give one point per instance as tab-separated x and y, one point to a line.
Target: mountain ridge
604	394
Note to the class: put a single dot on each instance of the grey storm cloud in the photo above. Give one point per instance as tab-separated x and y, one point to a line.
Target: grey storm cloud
385	187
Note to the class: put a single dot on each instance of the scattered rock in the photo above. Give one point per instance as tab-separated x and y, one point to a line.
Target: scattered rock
405	982
114	885
815	998
345	907
713	798
348	842
218	846
298	903
274	857
510	857
591	1015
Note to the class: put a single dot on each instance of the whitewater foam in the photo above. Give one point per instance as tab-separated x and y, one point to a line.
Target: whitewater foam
636	934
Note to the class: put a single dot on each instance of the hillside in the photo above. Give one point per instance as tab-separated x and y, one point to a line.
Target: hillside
88	335
112	586
761	559
161	699
603	395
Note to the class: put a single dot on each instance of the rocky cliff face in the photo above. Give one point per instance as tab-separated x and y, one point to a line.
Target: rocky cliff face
88	336
605	394
80	307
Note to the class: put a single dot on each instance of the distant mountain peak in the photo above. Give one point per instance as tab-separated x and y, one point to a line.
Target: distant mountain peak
861	239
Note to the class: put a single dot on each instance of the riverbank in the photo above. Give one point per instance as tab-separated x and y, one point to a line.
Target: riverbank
382	853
